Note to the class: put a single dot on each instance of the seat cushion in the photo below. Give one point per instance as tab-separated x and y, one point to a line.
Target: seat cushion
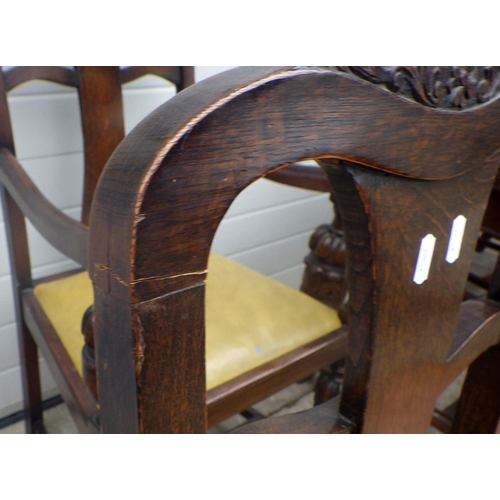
250	319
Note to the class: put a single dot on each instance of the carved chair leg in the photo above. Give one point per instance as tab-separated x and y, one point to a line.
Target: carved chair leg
478	409
325	279
88	353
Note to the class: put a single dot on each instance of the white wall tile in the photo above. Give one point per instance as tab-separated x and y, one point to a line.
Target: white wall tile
276	256
46	125
10	388
246	231
138	103
6	301
9	353
263	194
291	277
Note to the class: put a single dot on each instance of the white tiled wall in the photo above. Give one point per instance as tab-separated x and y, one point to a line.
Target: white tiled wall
267	227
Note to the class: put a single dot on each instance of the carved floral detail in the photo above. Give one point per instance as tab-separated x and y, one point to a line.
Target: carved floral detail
445	87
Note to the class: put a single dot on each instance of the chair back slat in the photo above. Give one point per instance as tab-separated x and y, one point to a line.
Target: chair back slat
101	107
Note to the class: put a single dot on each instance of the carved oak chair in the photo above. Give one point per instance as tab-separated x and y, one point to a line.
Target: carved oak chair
411	182
255	346
405	177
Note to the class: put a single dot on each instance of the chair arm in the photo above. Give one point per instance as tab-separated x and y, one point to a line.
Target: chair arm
302	176
64	233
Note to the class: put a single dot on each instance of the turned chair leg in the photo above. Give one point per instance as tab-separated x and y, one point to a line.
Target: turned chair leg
325	279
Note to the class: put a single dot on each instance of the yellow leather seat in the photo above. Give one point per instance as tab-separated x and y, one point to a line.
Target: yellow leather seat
250	318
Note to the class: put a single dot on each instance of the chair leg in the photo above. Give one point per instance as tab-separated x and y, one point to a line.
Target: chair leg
478	410
31	382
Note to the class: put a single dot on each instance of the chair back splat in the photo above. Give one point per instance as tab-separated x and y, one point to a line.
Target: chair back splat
411	173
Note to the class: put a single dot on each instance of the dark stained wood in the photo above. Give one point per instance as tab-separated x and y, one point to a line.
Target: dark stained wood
6	137
478	410
184	401
88	352
225	133
64	233
18	253
187	78
21	74
101	109
374	278
302	176
398	169
108	376
24	199
149	280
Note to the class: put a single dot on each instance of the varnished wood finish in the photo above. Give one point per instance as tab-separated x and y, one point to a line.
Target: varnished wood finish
101	109
88	352
64	233
417	343
22	198
302	176
478	409
399	169
21	278
220	136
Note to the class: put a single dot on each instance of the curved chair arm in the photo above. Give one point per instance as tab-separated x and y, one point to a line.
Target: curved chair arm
64	233
302	176
399	171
